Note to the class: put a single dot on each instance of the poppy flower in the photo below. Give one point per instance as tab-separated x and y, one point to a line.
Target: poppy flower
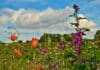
13	37
34	43
17	52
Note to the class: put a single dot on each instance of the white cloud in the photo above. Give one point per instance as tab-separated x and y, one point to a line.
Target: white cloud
49	20
87	23
3	19
36	19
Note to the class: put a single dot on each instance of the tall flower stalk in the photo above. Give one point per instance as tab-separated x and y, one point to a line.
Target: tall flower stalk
78	37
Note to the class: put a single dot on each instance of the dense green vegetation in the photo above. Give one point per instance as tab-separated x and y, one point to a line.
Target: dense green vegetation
55	58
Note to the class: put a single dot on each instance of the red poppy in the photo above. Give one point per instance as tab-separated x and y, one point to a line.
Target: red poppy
13	37
34	43
17	52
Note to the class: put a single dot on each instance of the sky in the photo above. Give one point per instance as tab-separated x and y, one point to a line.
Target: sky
32	18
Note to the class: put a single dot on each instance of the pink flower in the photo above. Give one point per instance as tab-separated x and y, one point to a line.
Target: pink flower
75	40
43	51
61	44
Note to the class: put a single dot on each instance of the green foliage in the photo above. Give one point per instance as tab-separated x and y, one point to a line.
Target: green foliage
20	41
55	37
97	35
65	56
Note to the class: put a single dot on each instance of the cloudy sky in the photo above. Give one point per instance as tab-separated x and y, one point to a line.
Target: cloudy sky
32	18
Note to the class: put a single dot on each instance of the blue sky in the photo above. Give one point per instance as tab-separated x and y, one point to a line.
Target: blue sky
89	8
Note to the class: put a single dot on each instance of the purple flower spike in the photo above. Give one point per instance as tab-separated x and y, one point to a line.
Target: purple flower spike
78	45
78	34
76	7
75	40
81	42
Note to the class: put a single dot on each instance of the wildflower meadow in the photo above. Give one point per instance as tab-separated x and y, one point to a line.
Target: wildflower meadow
53	51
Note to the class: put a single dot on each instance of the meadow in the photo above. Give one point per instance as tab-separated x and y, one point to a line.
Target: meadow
53	51
49	56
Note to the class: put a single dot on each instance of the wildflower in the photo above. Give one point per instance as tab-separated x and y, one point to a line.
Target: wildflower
75	40
79	34
61	44
17	52
81	42
77	45
78	39
43	51
76	8
13	37
34	43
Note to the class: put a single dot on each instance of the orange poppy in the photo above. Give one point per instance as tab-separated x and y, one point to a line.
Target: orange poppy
17	52
34	43
13	37
37	67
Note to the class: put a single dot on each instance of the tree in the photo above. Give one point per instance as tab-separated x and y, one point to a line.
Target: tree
20	41
97	35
